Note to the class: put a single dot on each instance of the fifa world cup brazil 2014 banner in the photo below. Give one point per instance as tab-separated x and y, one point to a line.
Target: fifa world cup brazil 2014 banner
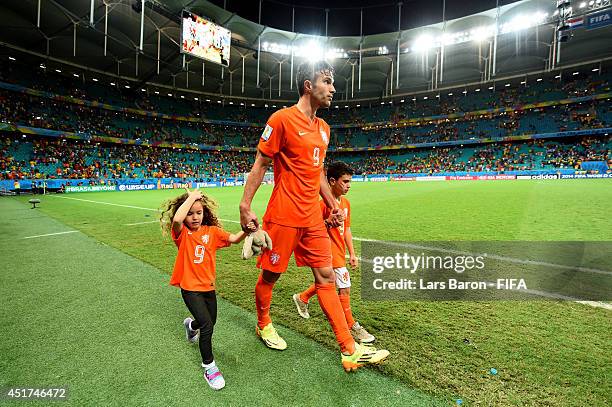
91	188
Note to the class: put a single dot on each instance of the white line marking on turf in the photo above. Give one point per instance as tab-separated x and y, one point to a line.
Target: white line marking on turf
50	234
109	203
132	207
140	223
490	256
509	259
596	304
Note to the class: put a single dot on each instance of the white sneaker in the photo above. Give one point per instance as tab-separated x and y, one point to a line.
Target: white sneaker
361	335
191	335
302	307
214	378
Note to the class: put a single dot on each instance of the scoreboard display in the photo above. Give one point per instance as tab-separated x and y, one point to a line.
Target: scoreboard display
204	39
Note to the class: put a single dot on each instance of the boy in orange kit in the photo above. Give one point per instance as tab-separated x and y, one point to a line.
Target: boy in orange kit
339	177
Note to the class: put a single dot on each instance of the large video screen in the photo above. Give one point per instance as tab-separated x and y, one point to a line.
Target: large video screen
205	39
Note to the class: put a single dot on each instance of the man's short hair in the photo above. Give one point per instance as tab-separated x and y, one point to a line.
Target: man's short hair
337	169
308	71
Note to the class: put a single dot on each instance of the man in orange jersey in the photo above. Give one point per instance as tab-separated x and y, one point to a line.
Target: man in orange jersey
339	176
295	140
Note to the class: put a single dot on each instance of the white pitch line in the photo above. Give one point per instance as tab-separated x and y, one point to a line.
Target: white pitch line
109	203
490	256
50	234
141	223
510	259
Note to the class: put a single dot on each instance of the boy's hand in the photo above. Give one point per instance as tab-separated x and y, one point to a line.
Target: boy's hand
336	218
354	262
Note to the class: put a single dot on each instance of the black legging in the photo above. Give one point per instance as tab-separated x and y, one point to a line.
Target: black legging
203	307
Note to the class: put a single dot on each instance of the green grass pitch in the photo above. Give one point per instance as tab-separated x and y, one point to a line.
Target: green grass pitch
92	309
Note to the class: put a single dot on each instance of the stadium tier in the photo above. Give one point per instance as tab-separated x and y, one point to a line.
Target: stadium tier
33	157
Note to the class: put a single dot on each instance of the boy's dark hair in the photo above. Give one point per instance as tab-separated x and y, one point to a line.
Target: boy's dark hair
337	169
308	71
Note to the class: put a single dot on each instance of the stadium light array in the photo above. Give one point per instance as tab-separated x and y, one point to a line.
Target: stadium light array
383	50
157	92
477	90
539	80
594	69
575	73
450	94
478	34
583	4
58	71
196	99
94	79
112	83
12	59
310	50
76	75
127	86
143	90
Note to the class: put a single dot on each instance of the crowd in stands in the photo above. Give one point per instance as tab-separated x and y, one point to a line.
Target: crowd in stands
502	157
36	158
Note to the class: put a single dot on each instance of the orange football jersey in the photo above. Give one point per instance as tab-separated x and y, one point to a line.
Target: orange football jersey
195	265
336	235
297	146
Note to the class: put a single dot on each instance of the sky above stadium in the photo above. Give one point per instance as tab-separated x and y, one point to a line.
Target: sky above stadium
379	16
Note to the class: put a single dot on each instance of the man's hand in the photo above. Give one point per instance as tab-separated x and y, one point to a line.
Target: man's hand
353	262
336	218
248	220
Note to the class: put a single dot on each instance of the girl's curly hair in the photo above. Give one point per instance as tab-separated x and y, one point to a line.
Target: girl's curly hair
169	208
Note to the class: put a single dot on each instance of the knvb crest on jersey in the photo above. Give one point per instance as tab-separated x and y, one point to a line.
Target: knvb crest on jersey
324	137
205	239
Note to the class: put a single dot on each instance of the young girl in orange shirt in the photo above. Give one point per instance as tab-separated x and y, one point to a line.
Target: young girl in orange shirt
196	231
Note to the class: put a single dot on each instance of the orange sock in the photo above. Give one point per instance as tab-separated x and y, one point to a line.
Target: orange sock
263	299
346	306
306	295
331	306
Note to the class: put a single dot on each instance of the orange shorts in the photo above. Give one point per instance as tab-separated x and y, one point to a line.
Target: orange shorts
311	247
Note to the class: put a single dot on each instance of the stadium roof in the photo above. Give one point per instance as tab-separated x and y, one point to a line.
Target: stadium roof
523	45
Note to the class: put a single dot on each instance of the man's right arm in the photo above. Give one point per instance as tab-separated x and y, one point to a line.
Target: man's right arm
261	165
